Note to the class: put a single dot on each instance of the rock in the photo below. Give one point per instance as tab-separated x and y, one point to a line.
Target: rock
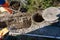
50	14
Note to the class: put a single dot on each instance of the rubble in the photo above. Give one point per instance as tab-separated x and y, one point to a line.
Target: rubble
32	24
21	23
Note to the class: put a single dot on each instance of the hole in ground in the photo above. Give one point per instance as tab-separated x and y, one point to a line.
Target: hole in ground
15	5
38	18
23	10
3	25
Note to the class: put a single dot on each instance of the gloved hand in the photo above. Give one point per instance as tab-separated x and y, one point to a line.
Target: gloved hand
3	32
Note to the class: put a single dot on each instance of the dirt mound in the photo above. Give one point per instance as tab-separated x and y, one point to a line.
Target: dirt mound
19	22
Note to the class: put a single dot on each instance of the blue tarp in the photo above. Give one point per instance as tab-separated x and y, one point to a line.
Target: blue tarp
2	2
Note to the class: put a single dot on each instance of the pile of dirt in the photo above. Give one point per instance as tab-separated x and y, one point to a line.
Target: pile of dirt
19	22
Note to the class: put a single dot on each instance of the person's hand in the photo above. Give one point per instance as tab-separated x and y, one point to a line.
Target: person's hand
1	35
1	39
3	32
